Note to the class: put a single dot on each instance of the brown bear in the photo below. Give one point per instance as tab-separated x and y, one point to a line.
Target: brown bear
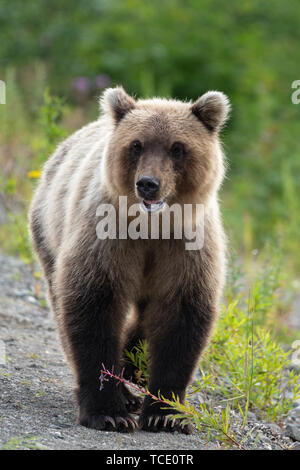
108	293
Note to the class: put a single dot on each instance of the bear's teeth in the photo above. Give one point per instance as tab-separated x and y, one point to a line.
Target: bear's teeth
152	206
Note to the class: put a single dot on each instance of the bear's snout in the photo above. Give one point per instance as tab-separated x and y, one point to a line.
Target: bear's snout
148	187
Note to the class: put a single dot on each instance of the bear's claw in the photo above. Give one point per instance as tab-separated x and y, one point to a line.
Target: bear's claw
110	423
156	423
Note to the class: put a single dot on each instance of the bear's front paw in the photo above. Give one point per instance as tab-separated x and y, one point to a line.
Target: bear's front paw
108	423
157	423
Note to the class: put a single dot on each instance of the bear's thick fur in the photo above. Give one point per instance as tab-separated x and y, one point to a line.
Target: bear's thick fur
109	293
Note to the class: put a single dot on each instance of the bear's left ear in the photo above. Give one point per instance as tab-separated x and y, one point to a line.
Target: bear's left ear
116	102
212	109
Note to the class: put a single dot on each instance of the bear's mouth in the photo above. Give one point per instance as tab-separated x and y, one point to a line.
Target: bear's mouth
153	206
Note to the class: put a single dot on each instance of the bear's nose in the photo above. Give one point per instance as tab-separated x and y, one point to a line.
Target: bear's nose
147	186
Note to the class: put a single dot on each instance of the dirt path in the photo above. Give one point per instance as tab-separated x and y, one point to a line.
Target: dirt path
37	407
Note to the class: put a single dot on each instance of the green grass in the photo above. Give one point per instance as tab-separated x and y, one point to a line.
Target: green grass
138	356
18	182
22	443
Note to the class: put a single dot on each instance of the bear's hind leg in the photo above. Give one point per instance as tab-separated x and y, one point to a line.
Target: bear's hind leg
44	254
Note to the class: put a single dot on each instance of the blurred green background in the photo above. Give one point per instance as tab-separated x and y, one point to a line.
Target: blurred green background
248	49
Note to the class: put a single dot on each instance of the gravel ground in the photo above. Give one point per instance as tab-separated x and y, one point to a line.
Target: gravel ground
37	407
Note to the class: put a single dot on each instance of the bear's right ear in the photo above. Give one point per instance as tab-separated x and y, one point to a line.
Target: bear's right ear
212	109
117	103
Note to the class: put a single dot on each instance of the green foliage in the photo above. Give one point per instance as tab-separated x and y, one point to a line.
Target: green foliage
244	358
50	116
139	358
248	367
14	237
22	443
216	422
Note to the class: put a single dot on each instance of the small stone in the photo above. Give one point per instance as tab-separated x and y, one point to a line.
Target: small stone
275	429
21	293
251	416
295	412
293	432
268	446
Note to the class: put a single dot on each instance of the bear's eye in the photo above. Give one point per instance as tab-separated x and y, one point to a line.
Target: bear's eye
136	148
177	150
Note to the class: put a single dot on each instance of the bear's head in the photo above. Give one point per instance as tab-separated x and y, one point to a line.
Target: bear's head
164	150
